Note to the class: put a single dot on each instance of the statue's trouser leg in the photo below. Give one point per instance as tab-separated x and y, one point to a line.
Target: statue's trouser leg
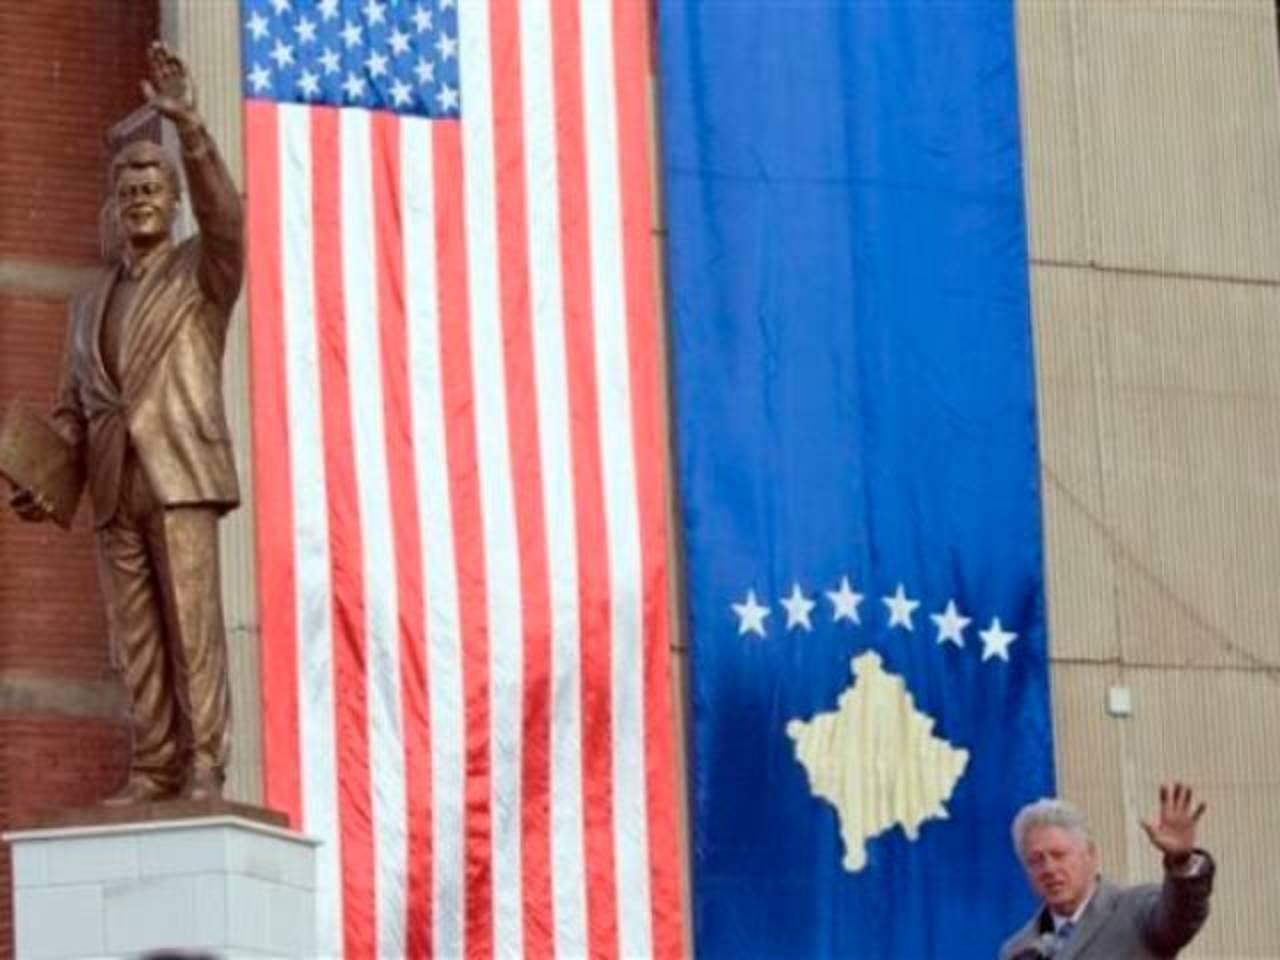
186	558
135	614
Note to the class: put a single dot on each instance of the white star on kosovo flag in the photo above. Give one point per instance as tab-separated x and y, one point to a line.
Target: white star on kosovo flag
900	609
844	602
798	608
996	640
950	625
750	615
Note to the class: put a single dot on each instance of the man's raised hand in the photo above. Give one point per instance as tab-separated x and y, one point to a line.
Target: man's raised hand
1173	830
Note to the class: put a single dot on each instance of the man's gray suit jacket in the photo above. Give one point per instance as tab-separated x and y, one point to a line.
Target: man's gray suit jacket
1127	923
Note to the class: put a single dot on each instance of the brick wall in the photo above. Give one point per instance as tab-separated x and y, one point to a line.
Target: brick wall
69	69
48	586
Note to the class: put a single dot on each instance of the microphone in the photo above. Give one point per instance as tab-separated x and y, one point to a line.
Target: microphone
1044	948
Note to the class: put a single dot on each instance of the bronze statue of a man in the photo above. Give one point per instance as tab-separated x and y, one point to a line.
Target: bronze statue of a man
140	400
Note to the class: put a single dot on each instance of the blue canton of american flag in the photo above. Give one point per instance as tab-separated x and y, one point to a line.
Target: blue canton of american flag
399	55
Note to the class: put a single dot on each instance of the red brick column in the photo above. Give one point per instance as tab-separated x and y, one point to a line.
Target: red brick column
68	69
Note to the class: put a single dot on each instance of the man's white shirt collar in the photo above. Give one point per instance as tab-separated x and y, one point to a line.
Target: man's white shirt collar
1058	919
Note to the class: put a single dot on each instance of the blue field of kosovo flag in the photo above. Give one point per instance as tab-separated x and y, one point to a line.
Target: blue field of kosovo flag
857	472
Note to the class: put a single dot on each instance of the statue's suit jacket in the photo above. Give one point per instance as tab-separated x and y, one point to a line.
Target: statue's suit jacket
1129	923
168	404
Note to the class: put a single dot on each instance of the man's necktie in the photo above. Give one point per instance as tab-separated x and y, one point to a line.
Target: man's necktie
1061	936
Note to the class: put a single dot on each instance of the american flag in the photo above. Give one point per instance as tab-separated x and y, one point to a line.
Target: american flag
459	472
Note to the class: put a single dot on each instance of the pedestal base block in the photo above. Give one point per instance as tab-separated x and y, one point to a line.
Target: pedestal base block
223	886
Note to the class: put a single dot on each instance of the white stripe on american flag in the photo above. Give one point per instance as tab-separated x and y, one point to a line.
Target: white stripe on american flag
626	587
568	877
501	553
444	649
311	529
386	751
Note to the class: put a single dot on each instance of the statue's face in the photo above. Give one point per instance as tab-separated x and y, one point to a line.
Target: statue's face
145	204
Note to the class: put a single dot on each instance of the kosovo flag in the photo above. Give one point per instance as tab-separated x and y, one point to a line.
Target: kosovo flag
857	472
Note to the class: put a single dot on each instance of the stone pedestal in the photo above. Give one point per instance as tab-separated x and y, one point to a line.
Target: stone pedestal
218	885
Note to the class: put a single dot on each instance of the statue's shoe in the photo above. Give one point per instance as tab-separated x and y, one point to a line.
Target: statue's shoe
138	789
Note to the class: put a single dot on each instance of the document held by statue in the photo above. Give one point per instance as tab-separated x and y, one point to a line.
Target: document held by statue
35	456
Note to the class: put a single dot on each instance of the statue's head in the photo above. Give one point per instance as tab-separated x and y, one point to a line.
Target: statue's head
146	187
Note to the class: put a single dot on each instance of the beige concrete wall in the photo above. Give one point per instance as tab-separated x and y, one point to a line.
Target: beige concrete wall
1152	140
206	34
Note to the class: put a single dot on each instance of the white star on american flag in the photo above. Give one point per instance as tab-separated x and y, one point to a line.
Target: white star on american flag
309	84
353	86
305	30
426	71
421	19
260	78
282	54
447	46
328	9
399	42
375	12
401	93
376	63
258	25
352	34
447	98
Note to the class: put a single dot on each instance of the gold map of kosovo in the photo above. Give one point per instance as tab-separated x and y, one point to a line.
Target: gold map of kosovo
876	760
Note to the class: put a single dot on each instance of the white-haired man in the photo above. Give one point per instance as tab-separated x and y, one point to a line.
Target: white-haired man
1084	917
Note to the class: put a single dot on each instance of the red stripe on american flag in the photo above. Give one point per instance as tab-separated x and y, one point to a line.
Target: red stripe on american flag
631	71
464	489
273	474
522	422
345	549
593	577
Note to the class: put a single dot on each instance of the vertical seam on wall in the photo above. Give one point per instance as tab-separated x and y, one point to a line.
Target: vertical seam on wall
1102	381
